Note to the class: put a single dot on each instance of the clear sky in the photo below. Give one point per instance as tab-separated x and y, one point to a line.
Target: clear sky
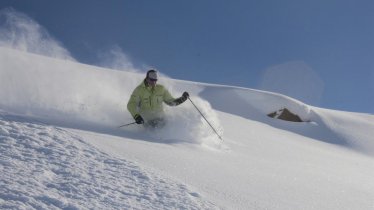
321	51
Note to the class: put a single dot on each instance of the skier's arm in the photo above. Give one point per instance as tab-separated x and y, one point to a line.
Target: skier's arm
133	103
169	100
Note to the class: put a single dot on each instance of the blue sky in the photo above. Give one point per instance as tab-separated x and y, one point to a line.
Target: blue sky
320	52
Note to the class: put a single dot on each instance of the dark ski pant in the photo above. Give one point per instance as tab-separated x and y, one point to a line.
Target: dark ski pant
155	123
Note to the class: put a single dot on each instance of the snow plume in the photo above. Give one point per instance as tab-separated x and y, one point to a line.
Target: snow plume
20	32
87	97
294	79
64	91
115	58
190	125
80	96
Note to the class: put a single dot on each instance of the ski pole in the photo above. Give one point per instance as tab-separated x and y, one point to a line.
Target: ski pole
126	124
205	119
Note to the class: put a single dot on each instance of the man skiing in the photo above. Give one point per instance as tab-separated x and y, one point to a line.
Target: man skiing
146	101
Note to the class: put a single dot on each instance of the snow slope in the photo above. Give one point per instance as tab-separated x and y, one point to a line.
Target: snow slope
46	167
60	147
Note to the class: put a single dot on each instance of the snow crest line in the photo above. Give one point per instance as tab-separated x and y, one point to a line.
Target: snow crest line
46	167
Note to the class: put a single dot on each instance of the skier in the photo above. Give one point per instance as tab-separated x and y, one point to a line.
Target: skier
146	101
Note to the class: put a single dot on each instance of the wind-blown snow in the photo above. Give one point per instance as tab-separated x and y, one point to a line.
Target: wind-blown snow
76	95
18	31
60	147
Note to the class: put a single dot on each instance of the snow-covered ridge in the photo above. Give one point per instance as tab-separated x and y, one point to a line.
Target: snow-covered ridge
320	124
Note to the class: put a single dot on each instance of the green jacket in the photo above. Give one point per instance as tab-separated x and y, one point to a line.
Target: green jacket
148	102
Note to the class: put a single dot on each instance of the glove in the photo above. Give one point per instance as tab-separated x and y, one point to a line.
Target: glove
181	99
138	119
185	95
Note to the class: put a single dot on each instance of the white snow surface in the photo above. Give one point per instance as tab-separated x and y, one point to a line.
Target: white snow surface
61	148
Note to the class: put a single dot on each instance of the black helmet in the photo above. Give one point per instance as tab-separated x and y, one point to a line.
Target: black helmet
152	74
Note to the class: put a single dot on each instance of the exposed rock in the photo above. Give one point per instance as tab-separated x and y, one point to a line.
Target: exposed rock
285	114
